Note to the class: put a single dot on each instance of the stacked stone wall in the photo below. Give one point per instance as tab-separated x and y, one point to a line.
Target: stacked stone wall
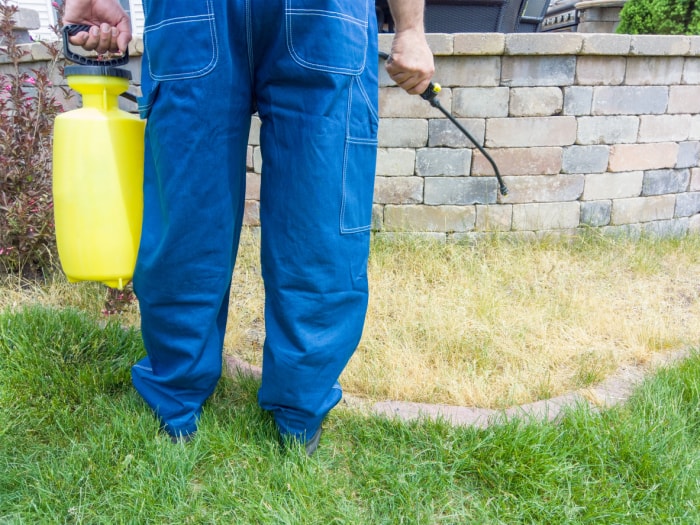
588	131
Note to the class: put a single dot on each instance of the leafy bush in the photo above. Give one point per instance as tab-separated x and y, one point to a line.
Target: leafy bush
28	106
660	17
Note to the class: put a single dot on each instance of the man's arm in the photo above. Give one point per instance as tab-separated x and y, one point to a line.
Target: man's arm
411	63
111	28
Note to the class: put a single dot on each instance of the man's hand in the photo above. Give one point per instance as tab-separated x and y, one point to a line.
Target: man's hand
411	63
111	28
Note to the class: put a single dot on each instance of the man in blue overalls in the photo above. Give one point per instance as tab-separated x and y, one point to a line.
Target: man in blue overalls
309	68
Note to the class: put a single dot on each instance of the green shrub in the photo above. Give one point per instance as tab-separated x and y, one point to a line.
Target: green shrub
660	17
28	106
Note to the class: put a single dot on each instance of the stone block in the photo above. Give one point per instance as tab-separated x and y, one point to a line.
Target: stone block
695	179
632	157
440	43
396	161
688	154
694	46
585	159
493	217
429	218
480	102
535	101
578	100
687	204
25	19
659	45
383	77
596	213
691	71
251	213
249	158
530	132
607	130
40	53
600	70
664	128
479	43
460	190
384	42
659	182
694	224
538	44
254	133
442	132
538	70
546	216
669	228
398	190
684	99
377	217
257	159
654	71
643	209
461	71
694	133
432	162
252	186
544	188
519	161
621	185
606	44
394	102
402	133
629	100
625	231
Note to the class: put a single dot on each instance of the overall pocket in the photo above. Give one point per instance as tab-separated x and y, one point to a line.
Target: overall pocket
328	35
360	159
180	38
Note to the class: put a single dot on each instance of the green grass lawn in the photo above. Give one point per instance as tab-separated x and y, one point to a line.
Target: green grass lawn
77	445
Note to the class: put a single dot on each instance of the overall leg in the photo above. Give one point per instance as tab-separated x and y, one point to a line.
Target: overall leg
197	100
316	87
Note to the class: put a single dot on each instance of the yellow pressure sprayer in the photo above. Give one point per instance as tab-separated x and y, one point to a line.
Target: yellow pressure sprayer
97	174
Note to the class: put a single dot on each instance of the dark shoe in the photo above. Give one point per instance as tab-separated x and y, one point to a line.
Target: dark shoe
312	444
182	438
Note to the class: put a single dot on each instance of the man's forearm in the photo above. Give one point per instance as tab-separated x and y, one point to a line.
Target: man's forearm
407	14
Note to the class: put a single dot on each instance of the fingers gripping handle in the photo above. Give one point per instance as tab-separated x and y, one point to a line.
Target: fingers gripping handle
430	92
74	29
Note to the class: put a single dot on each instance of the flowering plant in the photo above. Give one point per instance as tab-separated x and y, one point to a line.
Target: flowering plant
28	106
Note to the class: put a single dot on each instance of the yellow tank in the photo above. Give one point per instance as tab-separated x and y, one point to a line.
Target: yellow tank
98	180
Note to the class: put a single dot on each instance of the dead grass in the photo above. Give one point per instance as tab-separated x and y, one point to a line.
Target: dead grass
501	322
489	324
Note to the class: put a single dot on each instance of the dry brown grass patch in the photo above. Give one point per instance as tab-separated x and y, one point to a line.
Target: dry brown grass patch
499	322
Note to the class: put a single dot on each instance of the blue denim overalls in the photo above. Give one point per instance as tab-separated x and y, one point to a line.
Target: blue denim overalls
309	67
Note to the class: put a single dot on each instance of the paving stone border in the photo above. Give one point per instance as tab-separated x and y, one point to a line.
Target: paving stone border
614	390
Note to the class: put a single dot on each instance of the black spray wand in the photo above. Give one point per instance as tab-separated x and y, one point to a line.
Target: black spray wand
430	94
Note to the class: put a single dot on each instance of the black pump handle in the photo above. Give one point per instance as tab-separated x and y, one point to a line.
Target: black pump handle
74	29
